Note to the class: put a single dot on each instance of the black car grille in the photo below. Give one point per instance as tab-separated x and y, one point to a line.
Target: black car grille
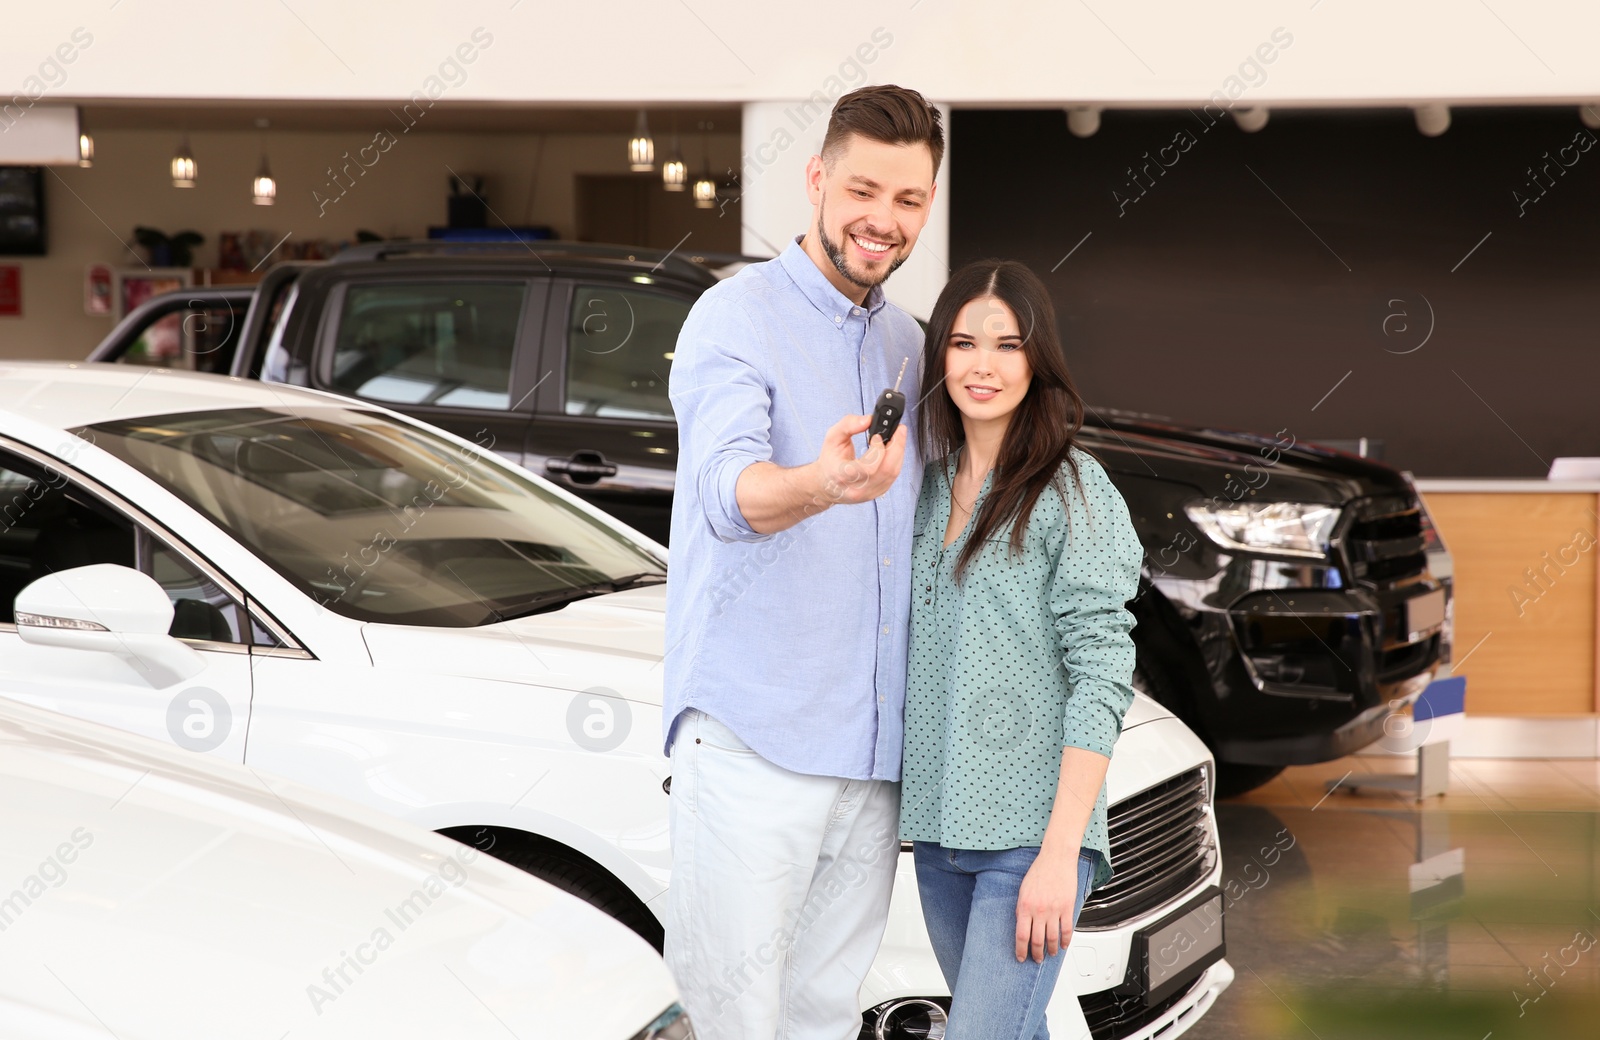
1409	659
1110	1016
1385	544
1160	846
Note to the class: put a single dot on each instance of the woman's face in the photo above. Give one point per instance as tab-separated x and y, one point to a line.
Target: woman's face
986	370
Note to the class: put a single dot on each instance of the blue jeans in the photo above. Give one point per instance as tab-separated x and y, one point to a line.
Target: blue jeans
969	901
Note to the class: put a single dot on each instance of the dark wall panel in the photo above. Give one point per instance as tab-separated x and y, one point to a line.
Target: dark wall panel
1256	271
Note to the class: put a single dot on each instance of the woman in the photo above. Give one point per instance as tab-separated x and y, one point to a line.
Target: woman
1021	654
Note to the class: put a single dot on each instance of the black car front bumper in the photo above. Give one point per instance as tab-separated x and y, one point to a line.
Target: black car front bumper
1306	662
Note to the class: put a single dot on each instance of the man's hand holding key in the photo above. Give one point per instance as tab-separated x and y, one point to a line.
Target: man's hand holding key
848	480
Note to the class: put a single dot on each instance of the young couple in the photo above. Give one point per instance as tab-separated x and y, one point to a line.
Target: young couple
862	649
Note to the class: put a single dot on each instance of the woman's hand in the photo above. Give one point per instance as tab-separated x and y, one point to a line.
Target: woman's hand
1046	903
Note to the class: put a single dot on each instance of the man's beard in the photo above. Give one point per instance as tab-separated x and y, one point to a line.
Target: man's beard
841	262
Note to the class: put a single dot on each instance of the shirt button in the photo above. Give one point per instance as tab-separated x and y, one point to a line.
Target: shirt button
880	700
885	629
837	318
886	561
927	601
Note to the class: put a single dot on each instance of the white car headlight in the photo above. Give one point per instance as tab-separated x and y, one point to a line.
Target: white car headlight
1283	528
672	1025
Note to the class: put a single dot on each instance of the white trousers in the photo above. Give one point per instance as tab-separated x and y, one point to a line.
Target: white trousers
780	889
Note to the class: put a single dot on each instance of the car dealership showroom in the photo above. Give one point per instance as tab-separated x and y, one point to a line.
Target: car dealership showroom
362	365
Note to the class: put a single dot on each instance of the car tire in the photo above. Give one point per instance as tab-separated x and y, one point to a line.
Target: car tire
1236	778
568	871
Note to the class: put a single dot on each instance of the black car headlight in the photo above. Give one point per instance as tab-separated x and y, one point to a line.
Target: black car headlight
1277	528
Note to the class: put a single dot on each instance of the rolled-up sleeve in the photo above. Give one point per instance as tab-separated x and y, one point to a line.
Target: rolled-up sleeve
1096	573
723	406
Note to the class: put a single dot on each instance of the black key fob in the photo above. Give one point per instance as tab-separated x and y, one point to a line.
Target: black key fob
886	417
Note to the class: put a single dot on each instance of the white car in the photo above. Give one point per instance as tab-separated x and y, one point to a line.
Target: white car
151	894
384	611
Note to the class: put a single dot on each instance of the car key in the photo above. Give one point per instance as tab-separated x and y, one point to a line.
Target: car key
891	406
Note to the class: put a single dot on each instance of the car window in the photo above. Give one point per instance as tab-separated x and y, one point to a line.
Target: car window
260	634
197	336
51	524
436	343
200	609
380	520
619	351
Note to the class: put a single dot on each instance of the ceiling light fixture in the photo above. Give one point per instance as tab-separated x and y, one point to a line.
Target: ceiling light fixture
1083	122
263	189
675	172
184	169
1250	119
85	144
641	149
705	189
1432	120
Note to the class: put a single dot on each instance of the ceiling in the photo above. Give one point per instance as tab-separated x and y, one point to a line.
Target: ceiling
442	117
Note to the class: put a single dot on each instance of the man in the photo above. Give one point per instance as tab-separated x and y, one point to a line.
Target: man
788	605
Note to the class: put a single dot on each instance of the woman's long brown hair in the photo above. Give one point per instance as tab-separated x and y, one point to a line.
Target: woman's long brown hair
1043	429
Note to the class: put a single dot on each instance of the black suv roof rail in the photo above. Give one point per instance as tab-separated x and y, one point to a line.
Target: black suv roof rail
694	265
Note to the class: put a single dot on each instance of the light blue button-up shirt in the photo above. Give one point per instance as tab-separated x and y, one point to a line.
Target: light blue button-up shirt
795	640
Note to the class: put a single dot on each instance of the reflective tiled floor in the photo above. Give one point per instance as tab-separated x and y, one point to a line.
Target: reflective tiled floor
1468	916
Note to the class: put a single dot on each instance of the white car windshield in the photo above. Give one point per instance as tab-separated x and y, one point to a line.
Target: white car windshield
380	520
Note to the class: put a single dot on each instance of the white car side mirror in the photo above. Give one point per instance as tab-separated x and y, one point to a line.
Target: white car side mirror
111	609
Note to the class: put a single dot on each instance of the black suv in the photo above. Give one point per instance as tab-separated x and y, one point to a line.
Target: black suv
1287	605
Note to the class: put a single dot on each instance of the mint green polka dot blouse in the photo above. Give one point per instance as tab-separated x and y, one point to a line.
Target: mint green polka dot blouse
1027	655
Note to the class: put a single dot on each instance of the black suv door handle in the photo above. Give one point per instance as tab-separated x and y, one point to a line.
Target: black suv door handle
584	467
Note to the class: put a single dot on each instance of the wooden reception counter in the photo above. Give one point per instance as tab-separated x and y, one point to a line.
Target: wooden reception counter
1526	612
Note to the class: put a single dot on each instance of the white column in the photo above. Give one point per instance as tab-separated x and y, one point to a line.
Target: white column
778	138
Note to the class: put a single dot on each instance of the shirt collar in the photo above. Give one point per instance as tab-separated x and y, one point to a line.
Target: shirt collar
821	292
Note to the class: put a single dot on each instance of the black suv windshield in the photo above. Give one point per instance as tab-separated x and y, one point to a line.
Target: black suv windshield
379	520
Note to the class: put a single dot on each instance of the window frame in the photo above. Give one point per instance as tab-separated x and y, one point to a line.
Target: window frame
133	327
534	299
551	400
144	526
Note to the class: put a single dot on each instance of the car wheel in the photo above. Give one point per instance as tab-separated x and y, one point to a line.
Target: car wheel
1234	778
567	871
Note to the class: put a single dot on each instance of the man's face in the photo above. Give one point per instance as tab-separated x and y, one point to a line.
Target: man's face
871	206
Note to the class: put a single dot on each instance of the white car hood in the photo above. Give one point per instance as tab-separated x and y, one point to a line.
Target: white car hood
574	648
1143	710
163	895
617	639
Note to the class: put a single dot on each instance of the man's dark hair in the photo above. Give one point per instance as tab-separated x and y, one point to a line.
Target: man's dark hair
889	114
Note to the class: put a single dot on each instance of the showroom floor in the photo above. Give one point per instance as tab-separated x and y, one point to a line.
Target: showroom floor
1498	934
